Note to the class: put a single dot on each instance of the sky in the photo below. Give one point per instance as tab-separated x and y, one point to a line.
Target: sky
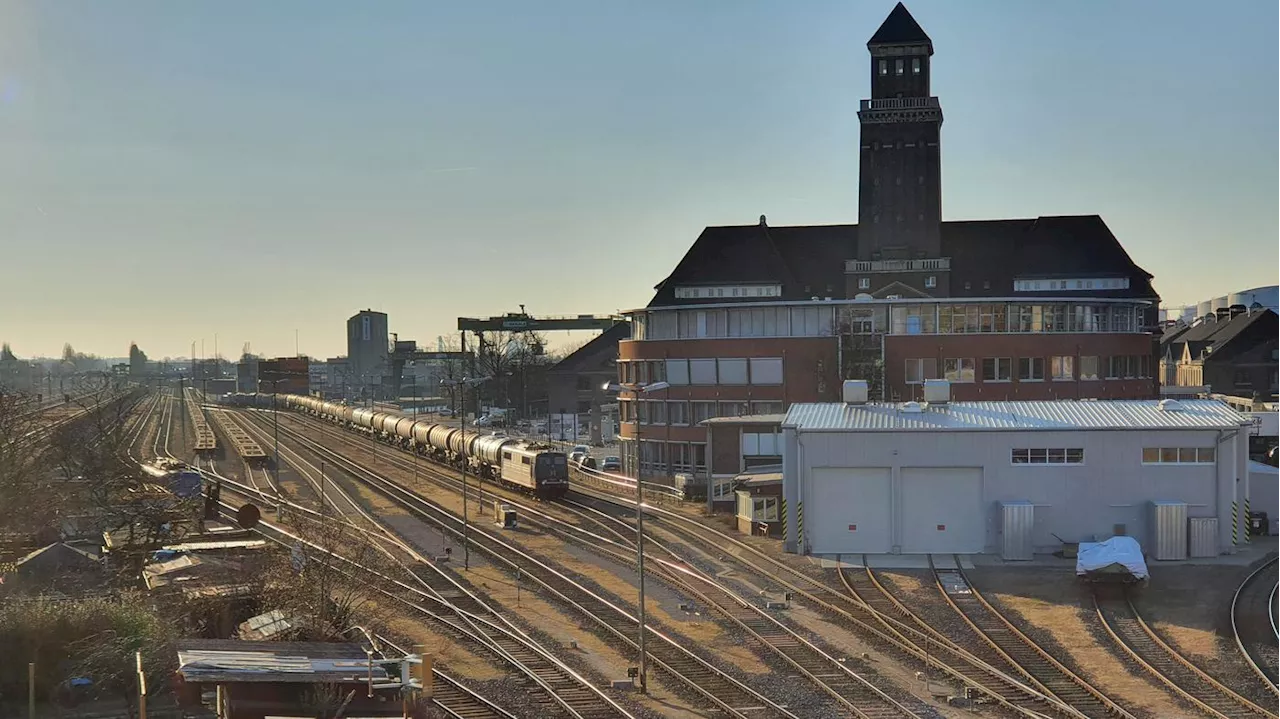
172	171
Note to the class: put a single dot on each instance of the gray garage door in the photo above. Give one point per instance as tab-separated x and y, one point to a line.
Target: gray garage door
942	510
846	510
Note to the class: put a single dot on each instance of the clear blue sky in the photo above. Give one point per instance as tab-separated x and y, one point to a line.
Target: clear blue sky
171	170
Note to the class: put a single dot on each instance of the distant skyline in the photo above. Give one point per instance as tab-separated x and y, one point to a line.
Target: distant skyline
175	170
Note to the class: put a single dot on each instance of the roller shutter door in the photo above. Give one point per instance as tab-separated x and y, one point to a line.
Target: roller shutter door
942	511
847	510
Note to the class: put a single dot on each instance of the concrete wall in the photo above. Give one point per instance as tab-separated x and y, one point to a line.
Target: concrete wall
1076	502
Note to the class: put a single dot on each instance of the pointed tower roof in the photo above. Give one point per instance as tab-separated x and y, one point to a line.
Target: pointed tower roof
900	29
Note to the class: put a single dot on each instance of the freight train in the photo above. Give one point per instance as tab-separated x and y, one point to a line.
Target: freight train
532	467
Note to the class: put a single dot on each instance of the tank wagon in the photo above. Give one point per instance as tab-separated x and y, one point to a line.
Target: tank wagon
533	467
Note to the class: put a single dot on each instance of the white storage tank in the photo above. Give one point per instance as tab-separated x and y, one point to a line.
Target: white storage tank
1017	518
1203	534
1168	530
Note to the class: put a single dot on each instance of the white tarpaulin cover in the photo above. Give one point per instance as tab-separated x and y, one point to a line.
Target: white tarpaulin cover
1101	556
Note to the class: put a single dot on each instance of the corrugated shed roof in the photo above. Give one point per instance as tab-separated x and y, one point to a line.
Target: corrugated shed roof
1015	416
274	662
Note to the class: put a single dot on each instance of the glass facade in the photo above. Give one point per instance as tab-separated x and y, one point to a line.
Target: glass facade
896	319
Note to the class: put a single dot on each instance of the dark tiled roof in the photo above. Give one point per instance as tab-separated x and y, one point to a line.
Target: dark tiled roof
1220	334
589	354
899	29
986	257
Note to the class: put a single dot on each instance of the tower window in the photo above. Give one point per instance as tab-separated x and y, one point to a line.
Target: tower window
920	179
898	67
967	285
915	66
884	67
931	281
864	283
897	180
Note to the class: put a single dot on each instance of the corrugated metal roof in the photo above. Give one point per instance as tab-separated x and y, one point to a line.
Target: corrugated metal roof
1015	416
275	662
746	419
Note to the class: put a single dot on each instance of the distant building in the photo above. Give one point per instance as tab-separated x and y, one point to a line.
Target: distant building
368	352
205	369
575	384
247	375
284	375
1232	352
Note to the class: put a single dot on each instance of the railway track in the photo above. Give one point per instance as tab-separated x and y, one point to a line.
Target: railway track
729	695
1125	625
991	684
1017	649
1253	623
452	697
849	690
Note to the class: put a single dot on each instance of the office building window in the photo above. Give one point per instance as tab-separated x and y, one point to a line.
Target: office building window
958	369
678	412
703	411
996	369
1030	369
1062	367
919	370
1088	367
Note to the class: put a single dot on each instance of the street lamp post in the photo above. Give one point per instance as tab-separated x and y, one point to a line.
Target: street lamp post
639	389
462	385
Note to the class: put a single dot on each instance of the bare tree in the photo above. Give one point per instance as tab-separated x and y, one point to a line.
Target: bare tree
26	484
320	583
120	497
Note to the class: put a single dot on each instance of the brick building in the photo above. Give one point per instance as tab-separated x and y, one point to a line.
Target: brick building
1233	352
754	318
285	375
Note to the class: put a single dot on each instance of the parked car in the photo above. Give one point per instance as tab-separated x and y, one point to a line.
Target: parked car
578	452
611	464
588	462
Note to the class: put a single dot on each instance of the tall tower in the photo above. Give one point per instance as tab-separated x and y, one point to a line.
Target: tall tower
900	180
367	353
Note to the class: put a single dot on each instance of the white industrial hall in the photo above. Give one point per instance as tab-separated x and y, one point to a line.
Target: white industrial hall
1013	478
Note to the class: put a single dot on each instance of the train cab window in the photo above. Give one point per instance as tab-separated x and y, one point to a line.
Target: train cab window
524	460
506	455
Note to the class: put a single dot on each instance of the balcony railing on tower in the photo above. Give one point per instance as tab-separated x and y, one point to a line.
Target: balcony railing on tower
940	264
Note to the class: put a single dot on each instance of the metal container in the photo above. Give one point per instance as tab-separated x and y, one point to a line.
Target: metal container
1203	533
1168	530
489	449
421	430
1017	521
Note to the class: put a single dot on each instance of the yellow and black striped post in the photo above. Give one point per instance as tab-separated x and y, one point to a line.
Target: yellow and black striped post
1235	522
800	526
1248	521
782	514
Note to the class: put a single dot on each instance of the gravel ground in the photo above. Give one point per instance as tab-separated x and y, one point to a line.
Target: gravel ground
1051	607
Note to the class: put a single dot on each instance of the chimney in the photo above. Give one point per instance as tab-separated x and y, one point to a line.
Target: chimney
937	391
762	222
854	391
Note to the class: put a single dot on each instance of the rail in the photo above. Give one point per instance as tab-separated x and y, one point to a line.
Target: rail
1039	667
1125	626
673	657
1249	648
